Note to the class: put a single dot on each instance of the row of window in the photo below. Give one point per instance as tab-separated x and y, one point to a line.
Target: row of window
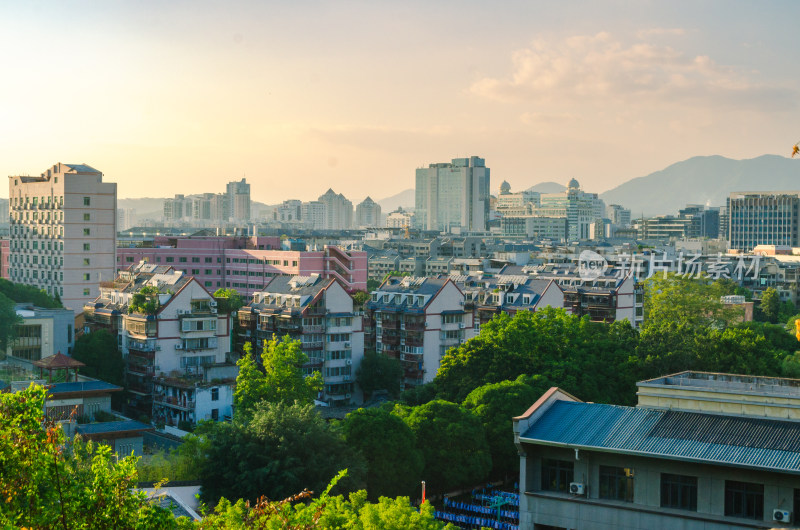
742	499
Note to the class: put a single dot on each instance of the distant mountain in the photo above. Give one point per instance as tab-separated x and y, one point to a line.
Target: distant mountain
704	180
548	187
405	199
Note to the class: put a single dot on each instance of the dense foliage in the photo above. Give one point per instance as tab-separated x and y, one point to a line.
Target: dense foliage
99	352
48	482
279	377
20	293
452	442
277	450
394	463
228	300
379	372
8	321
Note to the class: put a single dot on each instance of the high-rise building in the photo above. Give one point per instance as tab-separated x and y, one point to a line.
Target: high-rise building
580	208
368	214
126	218
763	218
313	214
63	232
399	219
453	195
338	211
618	215
238	198
177	208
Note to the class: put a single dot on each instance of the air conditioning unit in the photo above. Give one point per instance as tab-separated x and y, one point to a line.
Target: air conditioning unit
783	516
346	344
460	325
576	488
346	378
179	346
347	396
213	303
348	362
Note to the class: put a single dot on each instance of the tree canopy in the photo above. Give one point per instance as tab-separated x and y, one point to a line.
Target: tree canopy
99	351
279	378
8	321
394	464
379	372
21	293
452	443
279	450
228	300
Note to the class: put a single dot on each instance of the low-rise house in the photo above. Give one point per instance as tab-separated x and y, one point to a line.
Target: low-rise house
700	451
41	333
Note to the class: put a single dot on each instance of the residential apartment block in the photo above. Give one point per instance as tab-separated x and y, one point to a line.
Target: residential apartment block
700	451
246	264
416	320
368	214
763	218
453	196
319	313
168	328
63	232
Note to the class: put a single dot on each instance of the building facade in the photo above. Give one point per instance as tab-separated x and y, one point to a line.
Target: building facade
760	218
63	232
416	320
319	313
701	451
41	333
368	214
453	196
238	199
338	211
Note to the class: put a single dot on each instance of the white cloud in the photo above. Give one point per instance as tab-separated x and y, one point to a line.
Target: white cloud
590	68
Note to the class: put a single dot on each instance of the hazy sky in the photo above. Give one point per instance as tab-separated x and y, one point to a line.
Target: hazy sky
298	96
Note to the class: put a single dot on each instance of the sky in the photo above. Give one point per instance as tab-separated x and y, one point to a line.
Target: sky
299	96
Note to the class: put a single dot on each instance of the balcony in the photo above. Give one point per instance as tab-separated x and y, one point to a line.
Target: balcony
146	355
415	326
140	346
293	325
174	402
311	345
141	369
140	388
313	329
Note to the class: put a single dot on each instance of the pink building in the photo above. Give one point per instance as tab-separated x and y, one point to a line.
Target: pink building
247	263
5	250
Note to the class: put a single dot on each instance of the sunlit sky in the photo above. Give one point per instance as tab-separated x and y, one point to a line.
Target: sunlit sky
299	96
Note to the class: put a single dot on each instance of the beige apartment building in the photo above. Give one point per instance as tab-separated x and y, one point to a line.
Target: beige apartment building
63	232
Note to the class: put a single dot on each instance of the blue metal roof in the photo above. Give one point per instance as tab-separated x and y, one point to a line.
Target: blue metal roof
710	438
113	426
83	386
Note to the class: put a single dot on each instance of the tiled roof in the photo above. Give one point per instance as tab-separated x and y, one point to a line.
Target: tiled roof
690	436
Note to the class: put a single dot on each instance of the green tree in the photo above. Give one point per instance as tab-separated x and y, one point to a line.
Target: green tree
228	300
49	482
588	358
28	294
282	448
452	443
372	285
686	300
8	320
495	404
301	511
359	299
279	378
394	464
379	372
771	304
99	351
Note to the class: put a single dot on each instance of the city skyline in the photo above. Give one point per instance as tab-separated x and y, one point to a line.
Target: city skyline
180	98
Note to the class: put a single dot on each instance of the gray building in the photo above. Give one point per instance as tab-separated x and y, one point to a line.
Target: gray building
453	196
40	333
763	218
700	451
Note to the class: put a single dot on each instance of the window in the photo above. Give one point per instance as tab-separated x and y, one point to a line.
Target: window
215	394
86	261
129	259
87	201
209	271
86	292
215	414
170	259
616	483
182	260
678	491
557	474
195	260
744	499
86	247
208	260
86	277
87	217
87	231
195	271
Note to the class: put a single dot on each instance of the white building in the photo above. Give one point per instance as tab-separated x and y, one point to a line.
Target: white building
580	209
168	328
338	211
319	313
368	214
453	196
313	215
63	232
416	320
238	201
399	219
126	218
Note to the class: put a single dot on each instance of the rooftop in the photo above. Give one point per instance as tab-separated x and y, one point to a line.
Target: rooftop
728	383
